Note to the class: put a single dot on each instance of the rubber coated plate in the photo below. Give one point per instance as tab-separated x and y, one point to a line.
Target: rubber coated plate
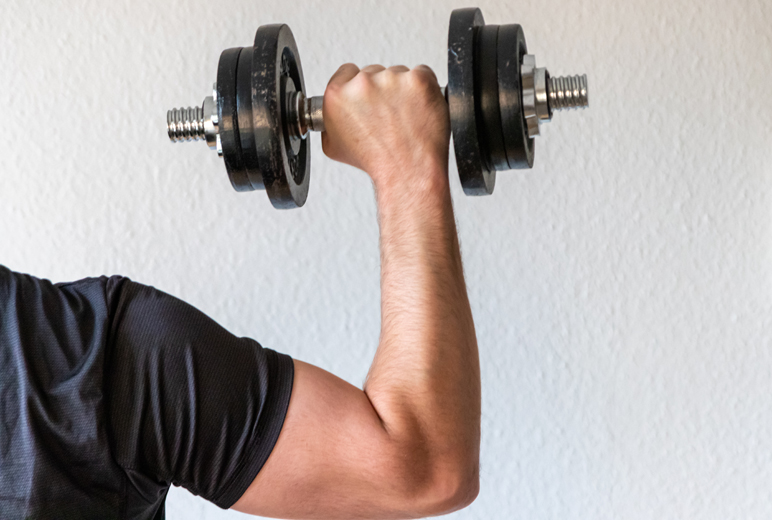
286	174
227	112
249	154
512	48
477	178
487	95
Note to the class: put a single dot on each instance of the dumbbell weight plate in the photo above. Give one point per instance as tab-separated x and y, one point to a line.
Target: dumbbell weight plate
511	49
228	114
487	98
284	160
247	138
477	177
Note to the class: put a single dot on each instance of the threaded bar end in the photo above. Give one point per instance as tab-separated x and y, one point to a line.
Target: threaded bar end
185	124
566	92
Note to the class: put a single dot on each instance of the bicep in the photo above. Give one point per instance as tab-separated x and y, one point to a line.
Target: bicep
333	457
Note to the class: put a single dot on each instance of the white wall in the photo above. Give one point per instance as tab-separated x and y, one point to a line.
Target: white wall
622	289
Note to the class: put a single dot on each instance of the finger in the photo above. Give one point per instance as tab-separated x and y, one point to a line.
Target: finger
344	74
425	69
373	69
399	68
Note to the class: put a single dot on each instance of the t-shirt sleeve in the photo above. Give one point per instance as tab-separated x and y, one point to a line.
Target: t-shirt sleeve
189	404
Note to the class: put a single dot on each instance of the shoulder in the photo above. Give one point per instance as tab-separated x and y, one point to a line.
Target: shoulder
71	312
57	318
52	345
102	286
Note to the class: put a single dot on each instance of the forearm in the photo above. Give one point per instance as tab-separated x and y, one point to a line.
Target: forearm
425	380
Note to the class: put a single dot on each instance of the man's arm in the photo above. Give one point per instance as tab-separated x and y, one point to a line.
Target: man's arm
408	445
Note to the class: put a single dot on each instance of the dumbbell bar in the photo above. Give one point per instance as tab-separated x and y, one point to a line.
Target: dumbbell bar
258	117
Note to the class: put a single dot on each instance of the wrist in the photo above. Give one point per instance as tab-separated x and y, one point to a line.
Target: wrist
395	185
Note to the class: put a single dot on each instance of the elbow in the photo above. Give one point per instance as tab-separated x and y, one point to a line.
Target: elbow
454	490
435	489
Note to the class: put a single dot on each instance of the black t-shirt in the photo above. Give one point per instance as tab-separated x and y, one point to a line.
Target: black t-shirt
111	391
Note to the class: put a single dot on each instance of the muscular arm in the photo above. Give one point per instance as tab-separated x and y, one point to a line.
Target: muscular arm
408	445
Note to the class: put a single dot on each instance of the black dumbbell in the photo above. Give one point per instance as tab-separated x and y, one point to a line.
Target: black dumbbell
259	116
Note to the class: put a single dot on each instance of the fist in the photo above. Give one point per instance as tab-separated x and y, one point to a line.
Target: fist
388	122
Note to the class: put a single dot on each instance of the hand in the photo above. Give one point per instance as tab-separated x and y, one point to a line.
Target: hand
390	123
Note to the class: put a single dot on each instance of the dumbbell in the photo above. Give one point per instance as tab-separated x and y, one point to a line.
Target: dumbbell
259	117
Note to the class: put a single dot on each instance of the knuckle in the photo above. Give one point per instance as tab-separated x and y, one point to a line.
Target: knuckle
363	85
333	94
418	77
388	75
347	67
422	82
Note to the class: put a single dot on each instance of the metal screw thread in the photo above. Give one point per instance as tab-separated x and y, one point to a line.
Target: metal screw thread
185	124
567	92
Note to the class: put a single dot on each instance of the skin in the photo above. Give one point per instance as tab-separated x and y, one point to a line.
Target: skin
407	445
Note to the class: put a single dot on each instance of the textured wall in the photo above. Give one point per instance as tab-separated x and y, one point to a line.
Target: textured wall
622	289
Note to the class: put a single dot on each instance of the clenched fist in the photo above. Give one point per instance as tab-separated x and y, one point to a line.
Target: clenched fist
392	123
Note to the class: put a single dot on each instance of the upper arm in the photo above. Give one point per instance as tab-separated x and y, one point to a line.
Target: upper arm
189	403
335	459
